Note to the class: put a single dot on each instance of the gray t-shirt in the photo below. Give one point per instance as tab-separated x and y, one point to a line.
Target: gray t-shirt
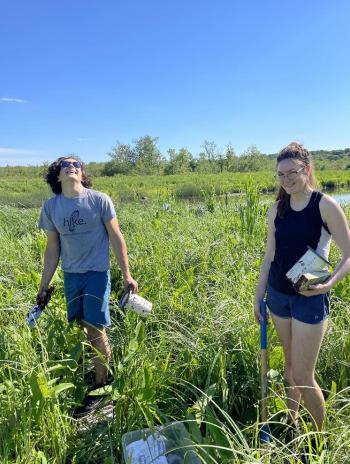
80	223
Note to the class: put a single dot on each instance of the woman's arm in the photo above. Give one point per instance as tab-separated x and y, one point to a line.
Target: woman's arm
266	264
333	215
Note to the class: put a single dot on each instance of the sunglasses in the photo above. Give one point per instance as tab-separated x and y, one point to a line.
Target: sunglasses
66	164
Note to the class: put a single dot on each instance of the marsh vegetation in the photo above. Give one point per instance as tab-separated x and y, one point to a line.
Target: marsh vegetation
195	359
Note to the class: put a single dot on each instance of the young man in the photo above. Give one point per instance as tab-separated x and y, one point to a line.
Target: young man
81	224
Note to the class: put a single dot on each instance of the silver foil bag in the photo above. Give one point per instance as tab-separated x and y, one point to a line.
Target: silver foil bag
311	269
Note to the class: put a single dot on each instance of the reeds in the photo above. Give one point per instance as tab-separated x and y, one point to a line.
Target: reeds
195	359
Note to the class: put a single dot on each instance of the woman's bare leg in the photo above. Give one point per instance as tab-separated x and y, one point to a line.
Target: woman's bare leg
306	343
283	328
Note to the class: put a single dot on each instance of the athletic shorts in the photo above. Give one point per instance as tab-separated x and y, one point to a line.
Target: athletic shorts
87	296
307	309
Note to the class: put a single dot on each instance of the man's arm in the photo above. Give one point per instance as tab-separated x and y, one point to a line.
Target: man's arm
51	257
121	253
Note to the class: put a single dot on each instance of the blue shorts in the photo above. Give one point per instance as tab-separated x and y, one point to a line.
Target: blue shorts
307	309
87	297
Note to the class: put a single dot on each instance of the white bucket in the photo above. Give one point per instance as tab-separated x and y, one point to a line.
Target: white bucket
136	303
164	444
311	269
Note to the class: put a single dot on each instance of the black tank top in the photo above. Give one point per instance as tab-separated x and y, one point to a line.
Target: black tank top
293	234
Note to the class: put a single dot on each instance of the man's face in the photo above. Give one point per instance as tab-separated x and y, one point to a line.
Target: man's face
70	170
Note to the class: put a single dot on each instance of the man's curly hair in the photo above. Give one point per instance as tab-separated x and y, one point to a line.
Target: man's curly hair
54	169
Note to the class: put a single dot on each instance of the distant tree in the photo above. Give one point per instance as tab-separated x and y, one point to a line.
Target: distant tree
123	160
95	169
179	162
252	152
208	157
210	150
252	160
231	159
143	158
193	165
203	164
148	157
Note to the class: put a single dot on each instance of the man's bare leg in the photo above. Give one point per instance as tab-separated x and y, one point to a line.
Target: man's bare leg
99	341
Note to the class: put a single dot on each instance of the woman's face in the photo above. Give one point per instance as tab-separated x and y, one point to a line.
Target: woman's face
292	175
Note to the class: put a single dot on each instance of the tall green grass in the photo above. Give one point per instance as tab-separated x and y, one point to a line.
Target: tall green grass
26	192
196	359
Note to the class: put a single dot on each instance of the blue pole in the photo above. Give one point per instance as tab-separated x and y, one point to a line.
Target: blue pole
263	326
264	434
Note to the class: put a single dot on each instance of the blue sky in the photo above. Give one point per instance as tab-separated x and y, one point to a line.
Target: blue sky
78	76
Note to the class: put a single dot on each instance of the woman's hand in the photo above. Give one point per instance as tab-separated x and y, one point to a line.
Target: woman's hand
318	289
257	312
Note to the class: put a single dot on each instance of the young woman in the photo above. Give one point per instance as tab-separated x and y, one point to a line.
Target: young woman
301	217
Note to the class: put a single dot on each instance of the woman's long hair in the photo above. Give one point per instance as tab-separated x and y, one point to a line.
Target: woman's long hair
297	152
53	172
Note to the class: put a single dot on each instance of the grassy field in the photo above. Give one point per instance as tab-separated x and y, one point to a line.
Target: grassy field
195	359
27	192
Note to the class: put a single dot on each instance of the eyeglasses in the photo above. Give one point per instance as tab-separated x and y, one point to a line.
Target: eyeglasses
66	164
291	175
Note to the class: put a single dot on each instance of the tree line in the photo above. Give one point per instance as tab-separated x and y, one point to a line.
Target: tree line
143	157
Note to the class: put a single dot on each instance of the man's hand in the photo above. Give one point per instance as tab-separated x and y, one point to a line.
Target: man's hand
44	295
130	284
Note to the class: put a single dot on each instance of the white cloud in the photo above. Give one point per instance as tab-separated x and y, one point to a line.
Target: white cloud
13	100
22	156
20	152
82	139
